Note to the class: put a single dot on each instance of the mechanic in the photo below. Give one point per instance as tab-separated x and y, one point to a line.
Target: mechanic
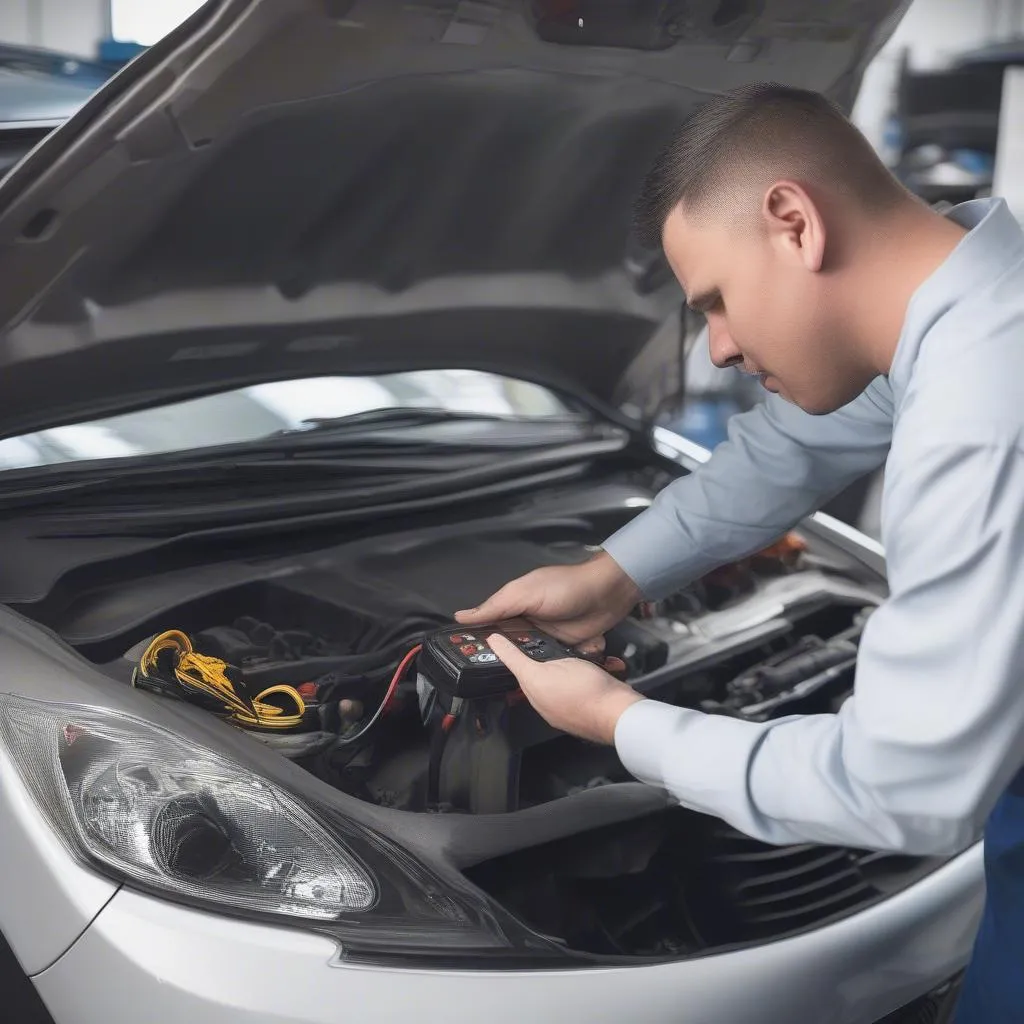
886	332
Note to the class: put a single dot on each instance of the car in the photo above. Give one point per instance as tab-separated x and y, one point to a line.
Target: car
38	90
337	308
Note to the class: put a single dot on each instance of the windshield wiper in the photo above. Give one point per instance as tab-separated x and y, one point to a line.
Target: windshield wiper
398	417
272	482
416	424
388	440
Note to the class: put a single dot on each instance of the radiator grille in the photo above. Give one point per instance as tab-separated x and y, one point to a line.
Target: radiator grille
771	890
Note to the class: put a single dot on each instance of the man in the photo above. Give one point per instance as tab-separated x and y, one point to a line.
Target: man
881	328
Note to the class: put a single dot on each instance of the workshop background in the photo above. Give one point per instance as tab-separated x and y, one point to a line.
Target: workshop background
943	102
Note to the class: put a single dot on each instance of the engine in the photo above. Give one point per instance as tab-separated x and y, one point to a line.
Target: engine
335	680
758	639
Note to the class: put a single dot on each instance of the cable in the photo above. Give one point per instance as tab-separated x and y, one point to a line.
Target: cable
270	716
392	686
438	742
200	673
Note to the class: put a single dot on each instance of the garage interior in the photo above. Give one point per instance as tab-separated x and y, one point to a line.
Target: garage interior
941	102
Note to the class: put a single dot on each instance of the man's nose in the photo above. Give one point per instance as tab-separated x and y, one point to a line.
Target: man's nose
723	349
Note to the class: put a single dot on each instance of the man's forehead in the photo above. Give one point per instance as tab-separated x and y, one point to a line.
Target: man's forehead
699	288
695	250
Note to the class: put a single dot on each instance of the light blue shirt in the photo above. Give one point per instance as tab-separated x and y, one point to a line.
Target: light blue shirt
935	727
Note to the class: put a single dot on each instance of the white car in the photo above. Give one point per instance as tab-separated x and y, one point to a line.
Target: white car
232	788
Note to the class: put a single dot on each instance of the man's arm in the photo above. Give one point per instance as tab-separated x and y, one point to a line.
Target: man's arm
935	728
778	465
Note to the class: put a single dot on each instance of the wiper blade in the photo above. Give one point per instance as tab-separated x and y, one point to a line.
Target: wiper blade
152	512
352	446
397	418
270	481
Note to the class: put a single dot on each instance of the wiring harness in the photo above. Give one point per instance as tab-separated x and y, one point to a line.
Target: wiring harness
171	667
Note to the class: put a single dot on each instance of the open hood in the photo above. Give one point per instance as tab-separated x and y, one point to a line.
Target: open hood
288	188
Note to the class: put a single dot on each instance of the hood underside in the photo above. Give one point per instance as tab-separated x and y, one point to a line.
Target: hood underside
287	188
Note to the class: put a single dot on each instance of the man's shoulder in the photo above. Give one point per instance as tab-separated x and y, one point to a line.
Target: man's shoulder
970	363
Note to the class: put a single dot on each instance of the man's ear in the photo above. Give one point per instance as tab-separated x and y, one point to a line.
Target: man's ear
795	226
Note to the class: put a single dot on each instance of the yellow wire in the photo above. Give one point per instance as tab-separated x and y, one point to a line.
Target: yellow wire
208	674
270	716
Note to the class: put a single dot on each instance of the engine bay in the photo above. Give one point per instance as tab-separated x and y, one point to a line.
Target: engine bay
770	635
342	625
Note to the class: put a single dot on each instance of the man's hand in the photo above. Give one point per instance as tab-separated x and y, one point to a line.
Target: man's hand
572	695
574	603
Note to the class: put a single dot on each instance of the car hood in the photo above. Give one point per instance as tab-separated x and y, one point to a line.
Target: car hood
287	188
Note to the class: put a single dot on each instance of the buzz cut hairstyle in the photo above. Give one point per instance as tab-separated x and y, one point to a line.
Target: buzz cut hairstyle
748	138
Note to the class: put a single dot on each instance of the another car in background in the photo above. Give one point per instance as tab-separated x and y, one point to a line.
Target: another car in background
39	89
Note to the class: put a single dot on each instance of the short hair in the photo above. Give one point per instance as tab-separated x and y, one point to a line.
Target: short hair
752	134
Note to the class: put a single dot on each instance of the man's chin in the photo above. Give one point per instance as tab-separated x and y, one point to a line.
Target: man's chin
772	385
812	408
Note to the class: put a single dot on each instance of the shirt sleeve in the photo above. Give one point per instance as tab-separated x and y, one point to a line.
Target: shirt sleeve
918	755
778	464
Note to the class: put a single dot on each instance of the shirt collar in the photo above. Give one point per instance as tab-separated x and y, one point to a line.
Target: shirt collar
993	242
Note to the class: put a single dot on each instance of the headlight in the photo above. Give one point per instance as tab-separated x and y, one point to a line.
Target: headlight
146	806
152	808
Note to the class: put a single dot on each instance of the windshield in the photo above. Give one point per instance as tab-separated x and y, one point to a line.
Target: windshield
256	413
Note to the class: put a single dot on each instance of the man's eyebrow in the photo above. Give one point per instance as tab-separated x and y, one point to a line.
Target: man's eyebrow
703	302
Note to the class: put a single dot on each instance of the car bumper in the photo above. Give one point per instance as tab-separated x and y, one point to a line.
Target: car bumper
145	959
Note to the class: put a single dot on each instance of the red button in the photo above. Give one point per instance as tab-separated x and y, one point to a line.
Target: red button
468	649
457	639
307	691
525	638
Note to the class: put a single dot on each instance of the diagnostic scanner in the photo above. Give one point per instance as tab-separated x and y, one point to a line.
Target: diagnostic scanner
458	661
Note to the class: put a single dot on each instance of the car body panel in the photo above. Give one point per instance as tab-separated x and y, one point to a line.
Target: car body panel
47	898
146	959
